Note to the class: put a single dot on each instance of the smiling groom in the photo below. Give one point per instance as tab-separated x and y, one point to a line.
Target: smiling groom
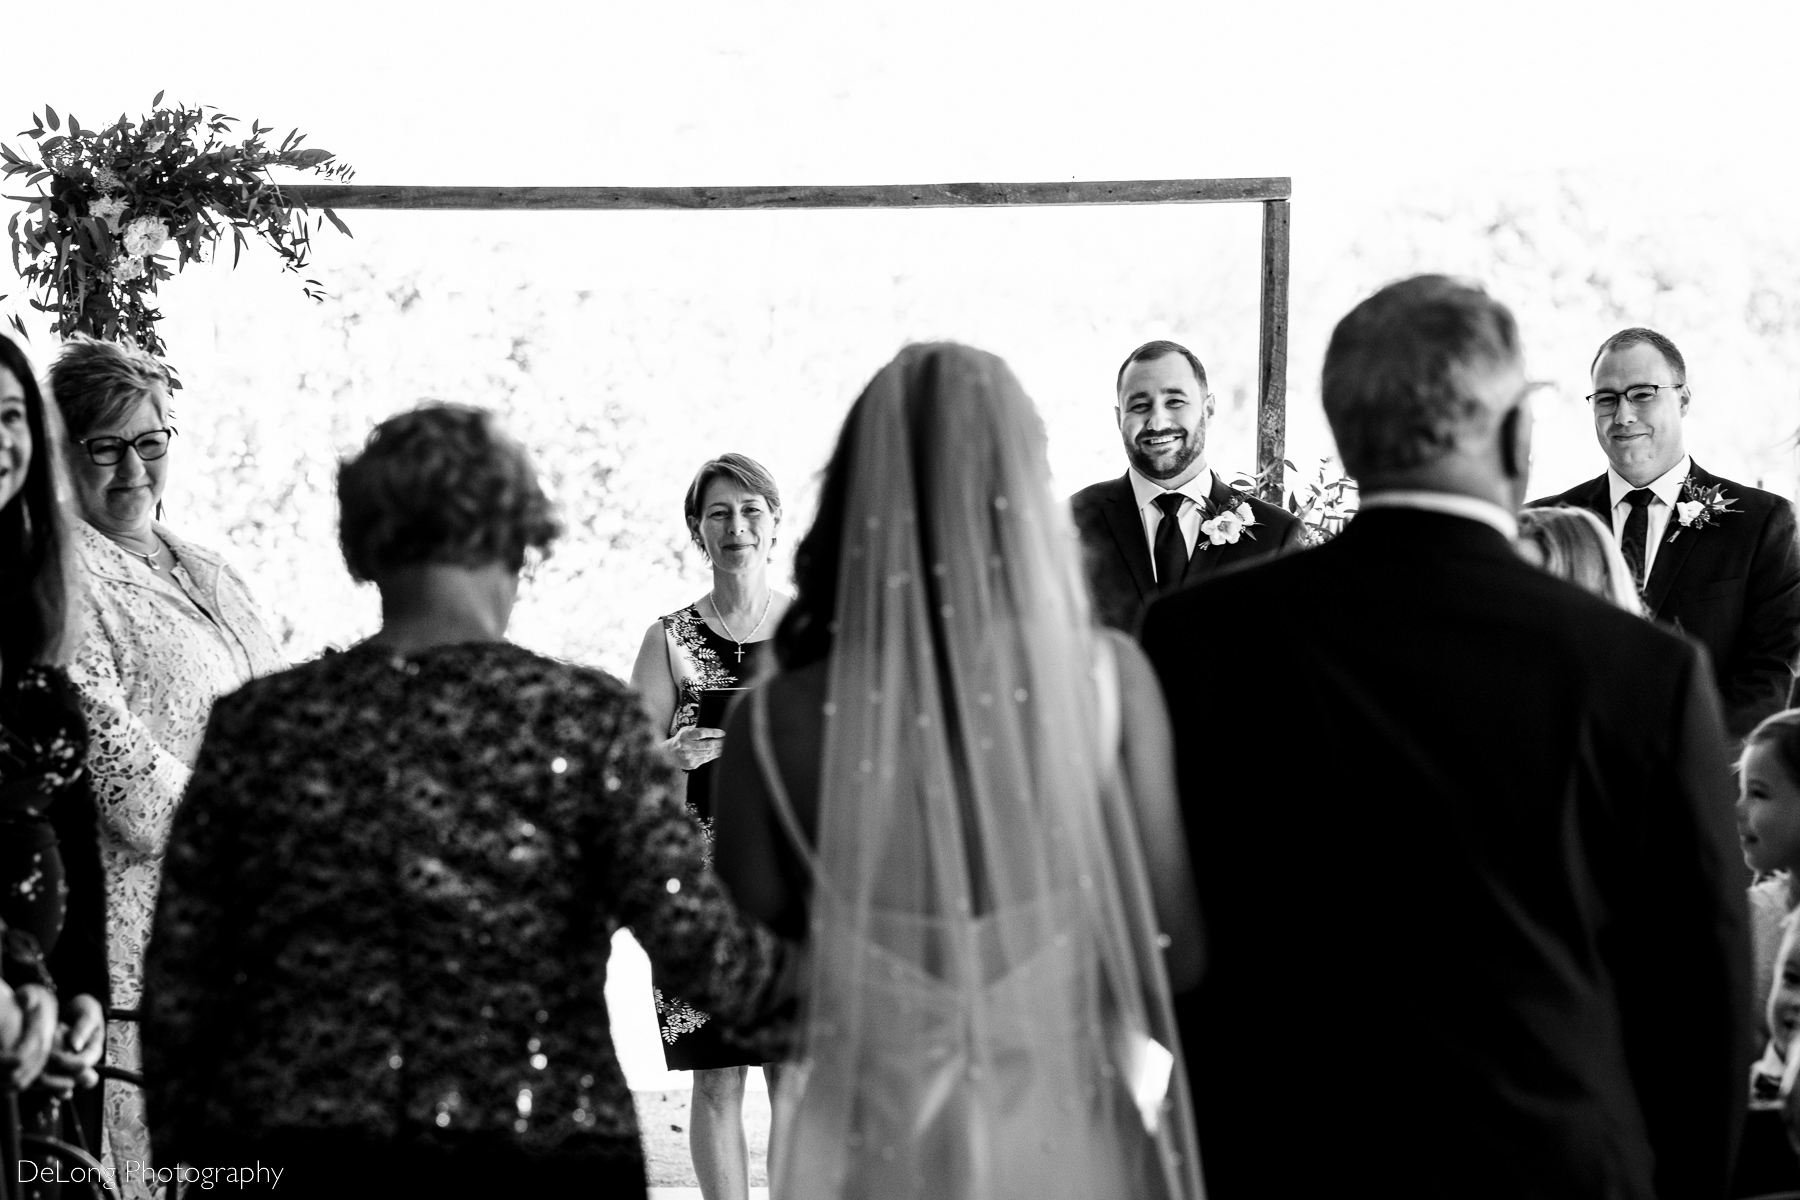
1132	549
1715	559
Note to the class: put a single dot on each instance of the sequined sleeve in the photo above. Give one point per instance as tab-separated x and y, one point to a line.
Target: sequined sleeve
654	860
188	972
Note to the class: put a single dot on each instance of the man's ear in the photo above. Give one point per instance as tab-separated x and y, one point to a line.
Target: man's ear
1685	397
1119	418
1515	442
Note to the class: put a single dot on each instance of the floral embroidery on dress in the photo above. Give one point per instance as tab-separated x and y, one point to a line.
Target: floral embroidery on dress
678	1016
155	657
701	671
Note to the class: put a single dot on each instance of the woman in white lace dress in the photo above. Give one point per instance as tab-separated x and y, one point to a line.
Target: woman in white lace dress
169	628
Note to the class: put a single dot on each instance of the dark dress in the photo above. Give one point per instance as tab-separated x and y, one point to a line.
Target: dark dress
385	917
43	742
701	660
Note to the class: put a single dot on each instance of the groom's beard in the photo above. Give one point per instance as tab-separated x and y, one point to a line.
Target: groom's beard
1186	451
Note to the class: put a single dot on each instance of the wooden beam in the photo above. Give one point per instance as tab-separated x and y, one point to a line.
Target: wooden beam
1271	403
925	195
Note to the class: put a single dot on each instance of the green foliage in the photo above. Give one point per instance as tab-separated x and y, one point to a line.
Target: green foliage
1325	503
89	246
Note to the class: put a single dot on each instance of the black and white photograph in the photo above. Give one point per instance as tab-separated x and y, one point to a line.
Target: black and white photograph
948	601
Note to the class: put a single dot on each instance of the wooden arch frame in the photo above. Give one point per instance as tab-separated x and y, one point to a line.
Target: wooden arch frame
1272	193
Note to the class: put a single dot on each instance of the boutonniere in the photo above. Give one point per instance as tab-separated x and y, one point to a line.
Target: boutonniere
1697	507
1228	522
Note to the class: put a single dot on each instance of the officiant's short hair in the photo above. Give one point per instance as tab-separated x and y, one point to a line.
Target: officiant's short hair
1150	351
742	470
1639	336
1394	379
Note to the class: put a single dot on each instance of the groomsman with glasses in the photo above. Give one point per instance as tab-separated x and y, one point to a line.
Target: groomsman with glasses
1713	558
1169	521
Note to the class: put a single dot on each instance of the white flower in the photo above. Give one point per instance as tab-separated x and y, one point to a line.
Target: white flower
107	180
1223	529
127	266
1244	514
1689	510
109	210
145	235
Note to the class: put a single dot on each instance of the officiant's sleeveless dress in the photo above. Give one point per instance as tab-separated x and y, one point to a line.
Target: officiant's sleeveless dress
700	660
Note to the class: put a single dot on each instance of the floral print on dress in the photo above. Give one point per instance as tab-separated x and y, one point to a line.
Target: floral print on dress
698	662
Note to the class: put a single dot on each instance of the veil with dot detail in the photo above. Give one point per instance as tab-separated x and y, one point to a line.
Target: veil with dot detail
987	1013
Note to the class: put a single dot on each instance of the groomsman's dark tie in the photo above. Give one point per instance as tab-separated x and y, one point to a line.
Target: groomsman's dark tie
1171	548
1637	532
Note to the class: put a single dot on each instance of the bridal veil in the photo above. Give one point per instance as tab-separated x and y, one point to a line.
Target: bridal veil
988	1014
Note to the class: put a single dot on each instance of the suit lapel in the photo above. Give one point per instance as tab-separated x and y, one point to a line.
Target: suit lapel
1127	529
1673	551
1596	497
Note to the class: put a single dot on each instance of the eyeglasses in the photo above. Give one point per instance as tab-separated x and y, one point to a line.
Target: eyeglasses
109	451
1639	395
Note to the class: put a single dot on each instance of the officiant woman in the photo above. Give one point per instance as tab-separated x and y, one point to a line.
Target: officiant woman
691	664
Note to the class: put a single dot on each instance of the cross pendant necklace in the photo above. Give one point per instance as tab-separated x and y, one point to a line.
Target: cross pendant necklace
717	612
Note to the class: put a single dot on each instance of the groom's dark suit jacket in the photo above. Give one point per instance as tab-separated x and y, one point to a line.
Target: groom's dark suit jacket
1734	586
1464	846
1117	557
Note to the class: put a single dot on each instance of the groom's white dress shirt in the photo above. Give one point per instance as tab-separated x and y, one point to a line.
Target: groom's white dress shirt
1668	490
1449	503
1198	490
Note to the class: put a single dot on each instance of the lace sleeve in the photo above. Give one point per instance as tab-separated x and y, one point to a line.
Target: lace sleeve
654	858
137	783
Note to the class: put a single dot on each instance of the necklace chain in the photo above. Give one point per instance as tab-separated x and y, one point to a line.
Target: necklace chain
720	614
150	559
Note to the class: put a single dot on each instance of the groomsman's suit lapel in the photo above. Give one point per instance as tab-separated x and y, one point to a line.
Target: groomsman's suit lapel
1671	553
1126	522
1126	525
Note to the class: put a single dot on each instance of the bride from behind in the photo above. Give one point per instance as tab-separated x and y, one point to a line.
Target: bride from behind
959	793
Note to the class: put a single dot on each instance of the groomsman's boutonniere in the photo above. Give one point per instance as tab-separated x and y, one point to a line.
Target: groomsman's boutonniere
1699	506
1228	523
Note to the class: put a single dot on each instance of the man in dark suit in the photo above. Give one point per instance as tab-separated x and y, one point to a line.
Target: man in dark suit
1731	578
1462	832
1132	551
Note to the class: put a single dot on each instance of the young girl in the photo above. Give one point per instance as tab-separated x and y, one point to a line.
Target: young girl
1768	815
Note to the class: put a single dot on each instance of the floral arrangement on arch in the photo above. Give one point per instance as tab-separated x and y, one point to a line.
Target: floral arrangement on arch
91	245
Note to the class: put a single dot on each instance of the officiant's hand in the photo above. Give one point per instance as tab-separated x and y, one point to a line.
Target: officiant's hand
696	745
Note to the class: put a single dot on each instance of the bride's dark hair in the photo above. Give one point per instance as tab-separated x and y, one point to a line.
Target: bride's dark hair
804	635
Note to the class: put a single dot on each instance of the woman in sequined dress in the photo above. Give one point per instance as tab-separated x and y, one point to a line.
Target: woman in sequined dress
380	950
717	644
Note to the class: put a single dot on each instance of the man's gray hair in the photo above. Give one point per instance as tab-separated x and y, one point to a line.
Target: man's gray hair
1395	379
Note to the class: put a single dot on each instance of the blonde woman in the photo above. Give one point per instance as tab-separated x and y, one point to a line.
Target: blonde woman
170	627
1572	544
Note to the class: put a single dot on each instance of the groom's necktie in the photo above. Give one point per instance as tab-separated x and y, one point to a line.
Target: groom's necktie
1170	551
1635	539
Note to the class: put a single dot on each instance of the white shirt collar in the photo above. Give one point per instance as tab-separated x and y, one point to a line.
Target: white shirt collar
1666	486
1198	489
1449	503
